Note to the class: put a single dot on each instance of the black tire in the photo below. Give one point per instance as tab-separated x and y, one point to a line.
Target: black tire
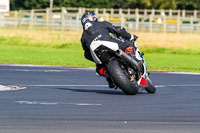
120	79
151	87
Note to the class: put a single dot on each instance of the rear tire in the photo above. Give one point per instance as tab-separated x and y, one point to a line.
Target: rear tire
120	79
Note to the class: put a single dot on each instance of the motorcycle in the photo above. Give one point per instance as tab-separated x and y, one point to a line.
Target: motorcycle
129	73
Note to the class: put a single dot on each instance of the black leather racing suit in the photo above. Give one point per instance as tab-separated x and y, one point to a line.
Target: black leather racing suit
94	31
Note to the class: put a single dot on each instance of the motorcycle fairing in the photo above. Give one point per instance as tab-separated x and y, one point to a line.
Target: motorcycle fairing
143	81
111	45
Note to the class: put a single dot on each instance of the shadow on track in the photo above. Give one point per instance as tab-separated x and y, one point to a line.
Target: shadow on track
113	92
110	92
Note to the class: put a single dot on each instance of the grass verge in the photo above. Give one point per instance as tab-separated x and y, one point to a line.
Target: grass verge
157	58
168	52
43	56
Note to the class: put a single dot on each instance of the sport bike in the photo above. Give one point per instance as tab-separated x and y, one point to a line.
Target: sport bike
129	73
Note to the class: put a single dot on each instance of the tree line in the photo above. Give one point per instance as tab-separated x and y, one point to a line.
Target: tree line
142	4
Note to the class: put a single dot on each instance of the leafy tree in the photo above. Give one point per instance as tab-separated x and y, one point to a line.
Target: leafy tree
188	4
28	4
168	4
156	4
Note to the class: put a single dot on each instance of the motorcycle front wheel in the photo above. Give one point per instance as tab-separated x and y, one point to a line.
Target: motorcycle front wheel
151	87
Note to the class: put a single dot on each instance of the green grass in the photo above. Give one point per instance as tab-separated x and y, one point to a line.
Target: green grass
69	54
173	62
43	56
172	59
54	49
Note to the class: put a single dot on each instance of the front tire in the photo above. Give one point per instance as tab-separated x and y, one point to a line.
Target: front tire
151	87
120	79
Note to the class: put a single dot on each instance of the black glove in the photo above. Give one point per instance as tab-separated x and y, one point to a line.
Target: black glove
133	38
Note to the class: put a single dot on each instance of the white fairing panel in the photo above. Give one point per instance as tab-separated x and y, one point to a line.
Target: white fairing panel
96	44
137	55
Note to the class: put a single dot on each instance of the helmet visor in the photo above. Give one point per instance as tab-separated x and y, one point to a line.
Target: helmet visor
90	18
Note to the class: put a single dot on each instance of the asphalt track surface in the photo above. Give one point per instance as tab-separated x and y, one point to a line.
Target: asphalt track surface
67	100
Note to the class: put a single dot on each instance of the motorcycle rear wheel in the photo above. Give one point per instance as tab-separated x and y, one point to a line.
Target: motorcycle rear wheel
120	79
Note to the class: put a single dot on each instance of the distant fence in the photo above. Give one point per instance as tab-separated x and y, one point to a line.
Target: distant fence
133	19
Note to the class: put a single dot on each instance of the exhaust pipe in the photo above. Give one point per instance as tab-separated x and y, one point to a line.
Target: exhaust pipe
129	59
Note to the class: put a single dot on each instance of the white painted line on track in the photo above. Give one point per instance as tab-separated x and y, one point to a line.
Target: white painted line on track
164	122
11	88
158	86
181	73
22	87
85	104
55	103
36	102
184	73
65	85
25	70
25	65
46	66
84	68
188	85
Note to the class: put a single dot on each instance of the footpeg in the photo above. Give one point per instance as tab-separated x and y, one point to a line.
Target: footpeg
142	54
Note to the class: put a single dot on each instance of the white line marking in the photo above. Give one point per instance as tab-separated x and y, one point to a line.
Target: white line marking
25	70
86	104
65	85
55	103
83	68
36	102
10	88
15	88
158	86
47	66
188	85
163	122
25	65
183	73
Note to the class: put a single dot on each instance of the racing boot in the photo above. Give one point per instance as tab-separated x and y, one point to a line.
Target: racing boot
109	80
102	71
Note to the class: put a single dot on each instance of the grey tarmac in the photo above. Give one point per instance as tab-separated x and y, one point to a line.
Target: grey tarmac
75	100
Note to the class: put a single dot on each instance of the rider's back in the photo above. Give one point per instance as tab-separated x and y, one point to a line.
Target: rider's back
94	31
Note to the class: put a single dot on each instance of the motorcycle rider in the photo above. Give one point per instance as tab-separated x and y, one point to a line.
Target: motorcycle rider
93	30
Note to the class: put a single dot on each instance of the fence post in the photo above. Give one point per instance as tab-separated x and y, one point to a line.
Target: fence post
120	11
63	18
16	20
2	20
145	12
153	12
164	24
97	11
137	19
151	23
191	23
32	19
170	12
122	20
80	10
83	10
195	14
179	13
47	17
129	11
77	21
183	13
107	16
178	24
112	11
104	11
